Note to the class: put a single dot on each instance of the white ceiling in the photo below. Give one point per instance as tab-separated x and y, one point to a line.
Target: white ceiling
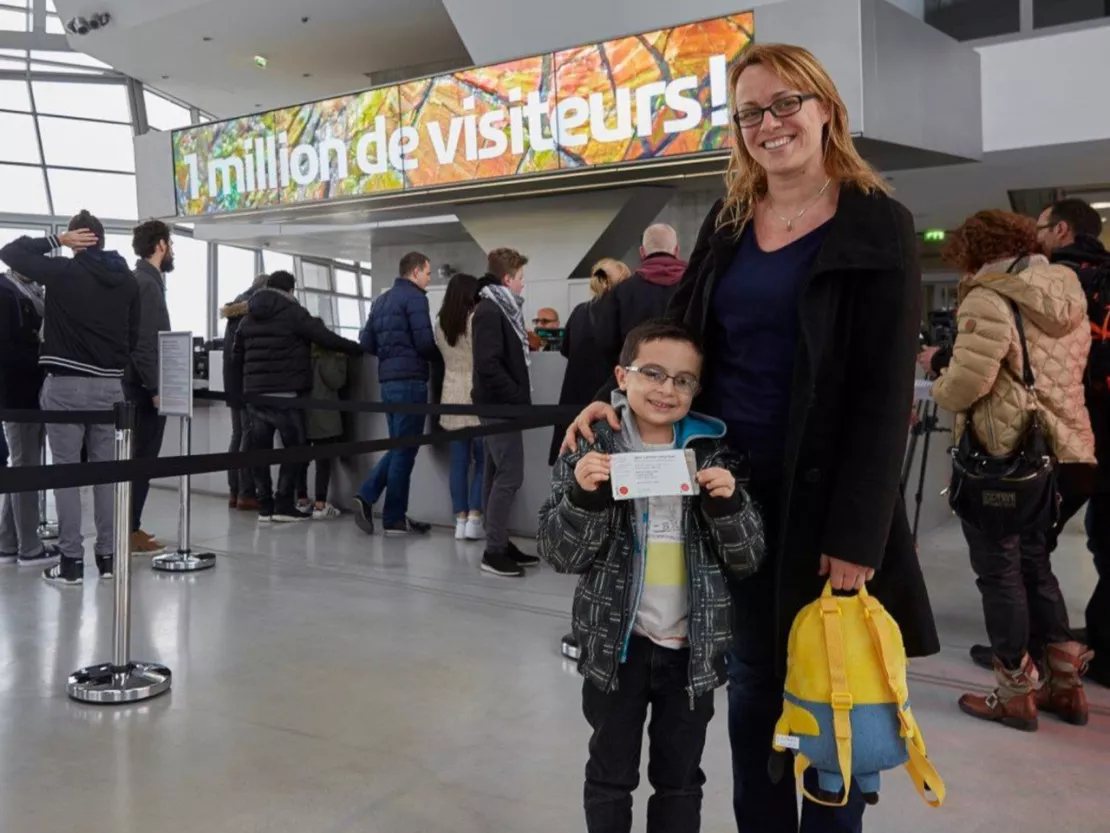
342	40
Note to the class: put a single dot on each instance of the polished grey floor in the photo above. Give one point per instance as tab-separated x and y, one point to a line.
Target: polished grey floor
327	682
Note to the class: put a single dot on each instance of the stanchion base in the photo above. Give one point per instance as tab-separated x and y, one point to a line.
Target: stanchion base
570	647
48	532
109	684
183	562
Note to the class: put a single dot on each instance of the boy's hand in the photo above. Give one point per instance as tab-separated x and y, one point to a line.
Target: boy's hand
592	470
718	482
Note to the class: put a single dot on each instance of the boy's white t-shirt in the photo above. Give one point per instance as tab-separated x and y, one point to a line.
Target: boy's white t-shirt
665	603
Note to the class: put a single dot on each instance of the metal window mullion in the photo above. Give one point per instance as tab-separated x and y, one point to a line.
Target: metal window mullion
137	104
213	292
42	150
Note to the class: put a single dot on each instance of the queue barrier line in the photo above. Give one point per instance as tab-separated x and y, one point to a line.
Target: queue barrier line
33	415
74	475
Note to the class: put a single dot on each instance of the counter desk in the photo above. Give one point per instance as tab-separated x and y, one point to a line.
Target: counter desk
430	496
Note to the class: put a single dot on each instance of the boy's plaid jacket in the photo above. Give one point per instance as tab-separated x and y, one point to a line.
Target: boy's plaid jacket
591	534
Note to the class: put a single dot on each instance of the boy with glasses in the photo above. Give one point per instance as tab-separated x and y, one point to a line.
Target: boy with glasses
653	614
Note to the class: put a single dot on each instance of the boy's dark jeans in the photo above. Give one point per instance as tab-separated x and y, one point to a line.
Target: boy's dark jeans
657	677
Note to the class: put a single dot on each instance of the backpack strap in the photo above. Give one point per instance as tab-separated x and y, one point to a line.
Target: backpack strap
840	696
924	775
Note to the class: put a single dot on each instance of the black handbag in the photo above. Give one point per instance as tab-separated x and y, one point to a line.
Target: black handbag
1011	494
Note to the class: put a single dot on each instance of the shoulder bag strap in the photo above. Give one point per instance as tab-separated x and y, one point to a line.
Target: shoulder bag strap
1026	368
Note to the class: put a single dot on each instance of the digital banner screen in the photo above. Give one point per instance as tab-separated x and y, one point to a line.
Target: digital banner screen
655	95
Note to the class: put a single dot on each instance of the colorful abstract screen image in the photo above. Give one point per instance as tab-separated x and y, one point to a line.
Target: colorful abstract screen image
655	95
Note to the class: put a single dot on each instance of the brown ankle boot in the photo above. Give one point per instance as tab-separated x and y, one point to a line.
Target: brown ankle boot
1063	694
1013	703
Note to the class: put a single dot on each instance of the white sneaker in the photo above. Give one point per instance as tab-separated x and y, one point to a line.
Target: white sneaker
460	529
327	513
475	529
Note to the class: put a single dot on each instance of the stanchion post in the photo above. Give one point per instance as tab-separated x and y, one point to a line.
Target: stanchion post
121	680
184	560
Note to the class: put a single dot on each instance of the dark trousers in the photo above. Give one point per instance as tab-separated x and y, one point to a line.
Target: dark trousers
502	479
755	690
656	677
1098	608
150	428
240	482
289	425
322	480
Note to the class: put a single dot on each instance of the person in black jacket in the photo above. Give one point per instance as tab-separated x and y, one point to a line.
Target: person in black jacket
643	296
273	349
585	372
500	343
240	482
153	245
91	329
806	284
21	311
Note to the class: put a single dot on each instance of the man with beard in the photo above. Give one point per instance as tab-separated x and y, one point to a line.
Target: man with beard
154	247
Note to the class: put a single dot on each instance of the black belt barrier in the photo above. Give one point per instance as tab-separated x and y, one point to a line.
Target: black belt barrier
71	475
34	415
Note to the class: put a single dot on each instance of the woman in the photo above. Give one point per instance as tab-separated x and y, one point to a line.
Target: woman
997	252
585	375
329	376
805	285
453	340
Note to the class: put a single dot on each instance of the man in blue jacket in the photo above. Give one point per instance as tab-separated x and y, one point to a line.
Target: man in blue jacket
399	332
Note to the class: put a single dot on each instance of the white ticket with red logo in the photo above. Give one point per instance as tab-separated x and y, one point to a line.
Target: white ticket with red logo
644	474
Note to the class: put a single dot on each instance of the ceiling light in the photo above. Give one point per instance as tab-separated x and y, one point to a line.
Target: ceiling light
1100	206
259	61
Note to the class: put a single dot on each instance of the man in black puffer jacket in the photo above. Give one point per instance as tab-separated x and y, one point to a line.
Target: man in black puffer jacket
273	351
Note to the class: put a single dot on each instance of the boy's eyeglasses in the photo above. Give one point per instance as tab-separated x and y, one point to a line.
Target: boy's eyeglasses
686	384
781	108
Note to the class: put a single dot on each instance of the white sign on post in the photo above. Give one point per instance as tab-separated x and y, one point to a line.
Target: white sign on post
175	374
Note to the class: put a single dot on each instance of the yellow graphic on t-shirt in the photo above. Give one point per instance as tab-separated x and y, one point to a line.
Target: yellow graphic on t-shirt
666	564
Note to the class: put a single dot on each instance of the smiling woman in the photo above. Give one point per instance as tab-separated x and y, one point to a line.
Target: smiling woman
804	285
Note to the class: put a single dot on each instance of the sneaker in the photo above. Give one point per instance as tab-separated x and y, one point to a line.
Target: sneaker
475	529
68	571
522	558
364	515
460	529
49	553
265	517
106	565
407	527
9	558
143	543
327	513
247	504
291	516
500	564
304	505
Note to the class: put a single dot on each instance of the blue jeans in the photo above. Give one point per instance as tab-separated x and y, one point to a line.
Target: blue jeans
394	471
755	690
466	492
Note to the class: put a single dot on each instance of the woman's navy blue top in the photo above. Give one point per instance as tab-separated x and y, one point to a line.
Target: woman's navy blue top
753	340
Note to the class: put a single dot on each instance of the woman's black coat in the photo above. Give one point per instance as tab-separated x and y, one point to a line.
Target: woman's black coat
586	369
860	314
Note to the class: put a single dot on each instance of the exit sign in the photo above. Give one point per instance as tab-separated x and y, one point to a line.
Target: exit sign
934	235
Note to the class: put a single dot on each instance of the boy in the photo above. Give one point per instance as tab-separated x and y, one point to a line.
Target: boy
652	613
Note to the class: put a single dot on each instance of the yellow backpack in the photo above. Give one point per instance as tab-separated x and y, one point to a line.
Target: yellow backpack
846	709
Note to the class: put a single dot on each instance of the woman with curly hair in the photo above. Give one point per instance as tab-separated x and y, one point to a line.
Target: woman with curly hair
1005	277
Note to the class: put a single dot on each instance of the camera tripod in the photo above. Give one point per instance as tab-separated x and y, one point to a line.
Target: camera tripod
925	425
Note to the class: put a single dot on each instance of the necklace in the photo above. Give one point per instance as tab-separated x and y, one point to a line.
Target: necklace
791	221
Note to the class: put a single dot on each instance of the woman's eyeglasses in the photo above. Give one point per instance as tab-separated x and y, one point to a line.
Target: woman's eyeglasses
780	108
686	384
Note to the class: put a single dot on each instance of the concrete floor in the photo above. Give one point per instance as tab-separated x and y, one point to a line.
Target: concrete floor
329	682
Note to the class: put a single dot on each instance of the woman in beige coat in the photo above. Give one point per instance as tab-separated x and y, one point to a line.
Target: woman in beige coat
453	340
998	254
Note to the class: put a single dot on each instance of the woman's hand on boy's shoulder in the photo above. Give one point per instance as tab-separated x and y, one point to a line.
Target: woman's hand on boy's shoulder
592	470
717	482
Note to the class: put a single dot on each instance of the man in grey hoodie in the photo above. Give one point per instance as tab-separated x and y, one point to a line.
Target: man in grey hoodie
153	245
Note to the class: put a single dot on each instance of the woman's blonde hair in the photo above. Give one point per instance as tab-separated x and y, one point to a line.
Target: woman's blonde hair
606	274
746	180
